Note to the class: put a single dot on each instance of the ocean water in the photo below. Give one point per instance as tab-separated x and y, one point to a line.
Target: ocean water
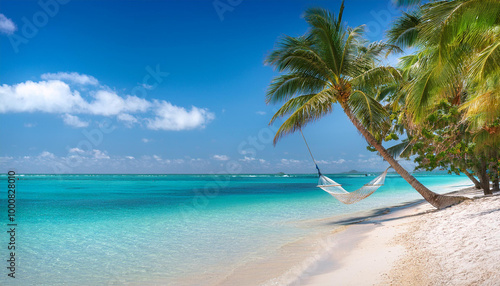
139	229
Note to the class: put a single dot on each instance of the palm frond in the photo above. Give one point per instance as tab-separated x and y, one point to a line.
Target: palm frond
329	37
404	31
305	109
402	149
291	106
483	108
369	111
487	62
298	55
375	77
420	90
406	2
351	48
283	87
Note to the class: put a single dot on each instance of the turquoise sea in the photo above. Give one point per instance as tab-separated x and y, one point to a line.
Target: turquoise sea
140	229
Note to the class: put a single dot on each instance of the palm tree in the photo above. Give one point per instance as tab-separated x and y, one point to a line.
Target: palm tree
458	52
457	39
333	64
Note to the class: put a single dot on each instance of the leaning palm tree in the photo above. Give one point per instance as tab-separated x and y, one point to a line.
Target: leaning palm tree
333	64
456	39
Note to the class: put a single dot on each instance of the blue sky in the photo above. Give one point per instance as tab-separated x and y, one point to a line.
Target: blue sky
161	87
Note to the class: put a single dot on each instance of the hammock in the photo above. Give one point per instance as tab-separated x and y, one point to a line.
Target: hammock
335	189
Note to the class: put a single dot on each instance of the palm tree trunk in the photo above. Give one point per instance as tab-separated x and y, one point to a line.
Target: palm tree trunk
483	176
438	201
496	179
477	184
494	170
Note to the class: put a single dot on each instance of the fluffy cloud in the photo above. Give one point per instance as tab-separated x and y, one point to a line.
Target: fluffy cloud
76	150
109	103
340	161
46	155
127	118
74	121
289	161
171	117
6	25
247	159
220	157
44	96
56	96
73	77
98	154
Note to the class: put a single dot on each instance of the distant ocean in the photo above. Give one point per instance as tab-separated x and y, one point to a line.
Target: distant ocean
119	229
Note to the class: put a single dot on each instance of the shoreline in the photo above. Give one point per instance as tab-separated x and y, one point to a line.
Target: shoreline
368	252
392	249
360	243
296	262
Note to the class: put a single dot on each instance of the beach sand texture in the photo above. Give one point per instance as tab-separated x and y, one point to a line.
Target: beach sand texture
418	245
456	246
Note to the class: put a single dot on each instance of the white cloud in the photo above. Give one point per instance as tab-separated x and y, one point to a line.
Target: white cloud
46	155
76	150
171	117
56	96
29	125
127	118
98	154
157	158
130	157
262	161
109	103
74	121
325	162
289	161
261	112
44	96
247	159
146	140
73	77
6	25
220	157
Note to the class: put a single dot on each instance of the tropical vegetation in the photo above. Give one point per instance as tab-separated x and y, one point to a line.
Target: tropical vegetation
449	98
333	64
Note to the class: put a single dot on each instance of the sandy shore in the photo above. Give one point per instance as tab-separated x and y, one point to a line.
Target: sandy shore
416	245
413	244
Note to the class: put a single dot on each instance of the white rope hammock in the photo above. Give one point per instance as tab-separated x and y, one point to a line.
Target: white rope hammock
335	189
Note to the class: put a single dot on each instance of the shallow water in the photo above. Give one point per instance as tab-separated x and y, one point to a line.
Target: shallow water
115	229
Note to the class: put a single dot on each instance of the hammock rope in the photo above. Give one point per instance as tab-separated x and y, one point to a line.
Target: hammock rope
310	153
335	189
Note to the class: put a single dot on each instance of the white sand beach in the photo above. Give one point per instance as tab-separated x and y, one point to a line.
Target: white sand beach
412	244
418	245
